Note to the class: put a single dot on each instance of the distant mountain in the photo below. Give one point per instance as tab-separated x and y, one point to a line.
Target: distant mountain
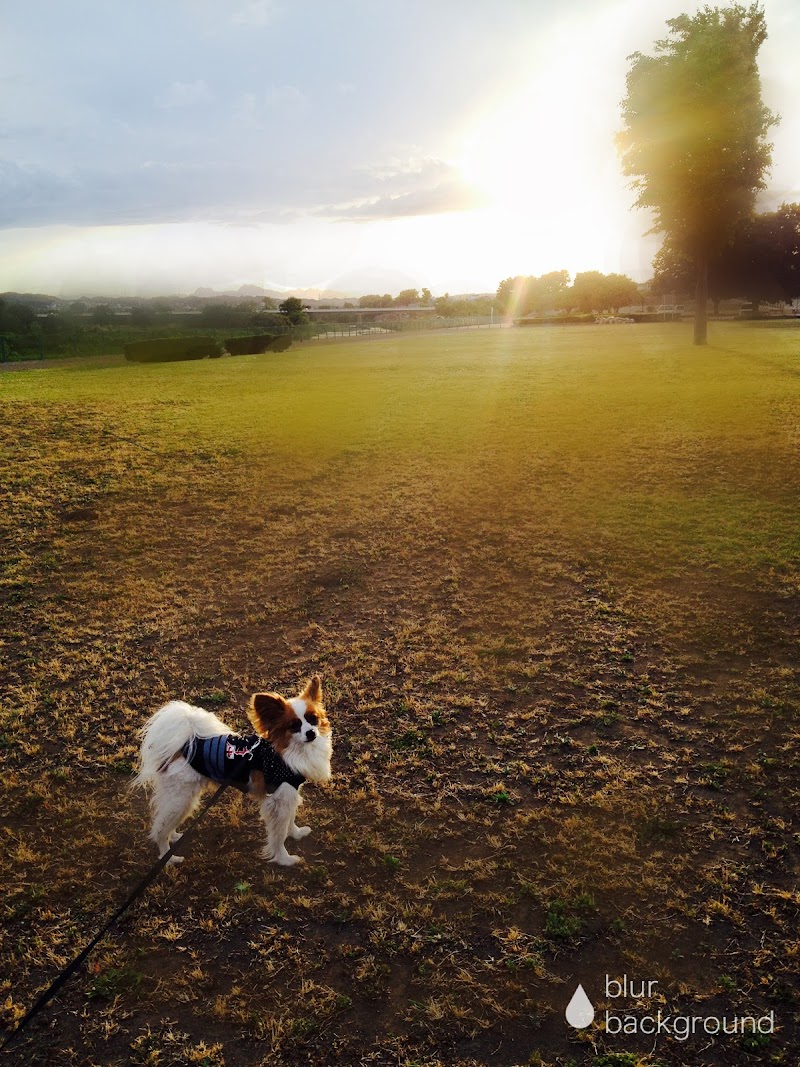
250	292
42	302
33	299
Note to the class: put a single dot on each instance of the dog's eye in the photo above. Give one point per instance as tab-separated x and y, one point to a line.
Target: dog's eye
295	726
311	718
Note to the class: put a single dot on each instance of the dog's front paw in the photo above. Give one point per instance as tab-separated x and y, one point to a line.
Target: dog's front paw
288	860
173	861
282	858
297	833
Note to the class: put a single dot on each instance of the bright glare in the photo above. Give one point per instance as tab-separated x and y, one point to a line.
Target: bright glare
547	169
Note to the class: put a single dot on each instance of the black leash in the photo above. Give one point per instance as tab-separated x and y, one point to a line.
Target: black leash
70	969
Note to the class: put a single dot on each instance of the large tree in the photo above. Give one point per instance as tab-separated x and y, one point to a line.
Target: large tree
546	293
593	291
694	140
406	297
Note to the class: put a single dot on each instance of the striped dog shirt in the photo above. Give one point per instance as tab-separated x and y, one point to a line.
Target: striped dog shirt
230	758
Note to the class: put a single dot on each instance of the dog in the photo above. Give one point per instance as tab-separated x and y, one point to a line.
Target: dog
185	750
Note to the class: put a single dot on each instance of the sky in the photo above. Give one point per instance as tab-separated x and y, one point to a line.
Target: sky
353	146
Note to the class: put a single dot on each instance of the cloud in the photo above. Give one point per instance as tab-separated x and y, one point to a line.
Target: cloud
403	189
412	169
283	97
254	13
151	192
260	111
266	185
25	190
185	94
438	200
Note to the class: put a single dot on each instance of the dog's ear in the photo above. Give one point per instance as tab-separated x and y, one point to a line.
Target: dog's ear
313	691
266	711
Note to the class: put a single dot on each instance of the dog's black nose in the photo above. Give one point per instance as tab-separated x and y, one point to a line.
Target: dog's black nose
311	735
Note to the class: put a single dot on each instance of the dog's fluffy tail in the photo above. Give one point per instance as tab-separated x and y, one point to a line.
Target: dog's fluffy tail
168	732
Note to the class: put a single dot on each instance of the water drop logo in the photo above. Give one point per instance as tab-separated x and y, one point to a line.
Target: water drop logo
579	1011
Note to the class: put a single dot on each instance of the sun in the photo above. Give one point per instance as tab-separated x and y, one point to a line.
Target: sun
547	168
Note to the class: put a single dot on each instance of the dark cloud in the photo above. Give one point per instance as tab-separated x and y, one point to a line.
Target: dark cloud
37	196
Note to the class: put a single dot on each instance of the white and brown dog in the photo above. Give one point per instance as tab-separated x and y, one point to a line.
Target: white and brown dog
185	750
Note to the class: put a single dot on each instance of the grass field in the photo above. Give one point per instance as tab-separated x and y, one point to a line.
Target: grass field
550	578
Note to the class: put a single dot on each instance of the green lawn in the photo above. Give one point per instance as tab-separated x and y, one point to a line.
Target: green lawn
550	578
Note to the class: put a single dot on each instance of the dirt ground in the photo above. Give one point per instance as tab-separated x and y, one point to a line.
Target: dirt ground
565	737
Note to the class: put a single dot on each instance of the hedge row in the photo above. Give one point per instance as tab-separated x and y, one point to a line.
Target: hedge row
589	320
555	320
281	343
262	342
172	349
249	346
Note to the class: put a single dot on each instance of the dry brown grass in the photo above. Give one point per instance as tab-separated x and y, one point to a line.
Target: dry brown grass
551	585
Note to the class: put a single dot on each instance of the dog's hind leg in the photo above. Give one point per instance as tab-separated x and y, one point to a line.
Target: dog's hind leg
278	812
173	802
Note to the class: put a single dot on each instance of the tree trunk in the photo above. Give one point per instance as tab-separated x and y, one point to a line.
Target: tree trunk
701	301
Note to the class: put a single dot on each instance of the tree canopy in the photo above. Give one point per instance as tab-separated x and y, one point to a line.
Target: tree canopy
695	136
15	317
292	308
521	295
762	261
593	291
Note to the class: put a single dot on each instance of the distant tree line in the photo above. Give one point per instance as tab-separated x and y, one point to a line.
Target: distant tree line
759	263
31	328
15	317
463	307
590	292
406	298
447	306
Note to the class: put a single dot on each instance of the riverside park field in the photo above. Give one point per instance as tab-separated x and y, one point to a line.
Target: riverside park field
550	579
